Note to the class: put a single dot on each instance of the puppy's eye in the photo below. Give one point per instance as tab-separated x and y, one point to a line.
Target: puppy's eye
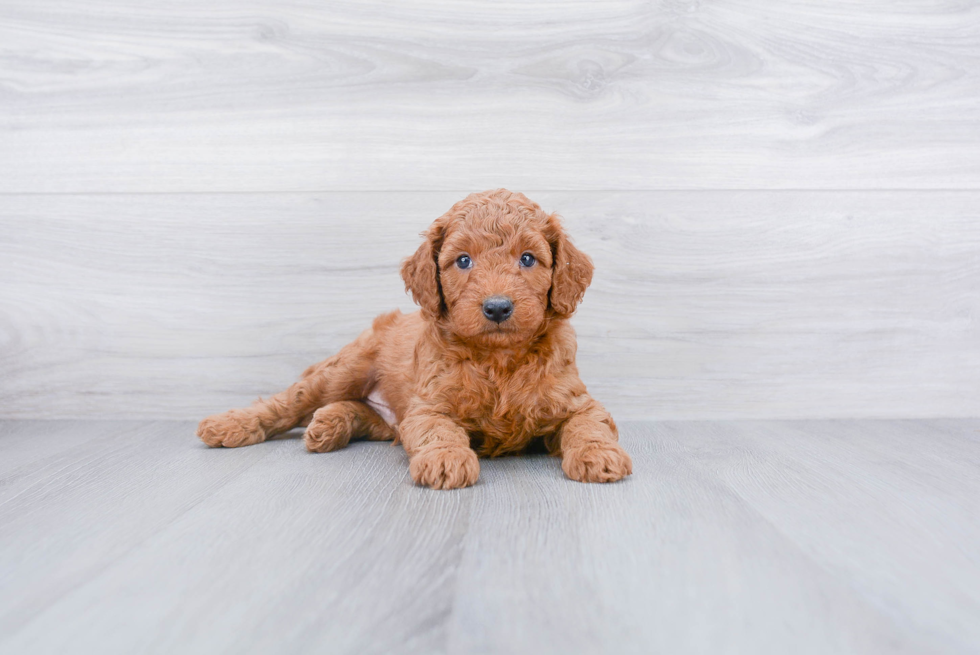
464	261
527	260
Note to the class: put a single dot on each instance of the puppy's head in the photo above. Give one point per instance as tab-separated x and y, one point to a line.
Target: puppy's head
495	268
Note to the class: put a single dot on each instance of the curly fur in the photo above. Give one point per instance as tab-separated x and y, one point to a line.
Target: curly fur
457	383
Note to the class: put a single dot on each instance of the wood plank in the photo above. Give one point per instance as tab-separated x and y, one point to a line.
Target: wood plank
25	443
889	506
67	518
679	558
721	304
792	536
120	96
160	548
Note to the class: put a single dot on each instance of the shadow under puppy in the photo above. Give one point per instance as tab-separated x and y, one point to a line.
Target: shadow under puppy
487	366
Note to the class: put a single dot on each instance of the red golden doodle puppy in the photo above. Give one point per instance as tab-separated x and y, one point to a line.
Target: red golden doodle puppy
487	366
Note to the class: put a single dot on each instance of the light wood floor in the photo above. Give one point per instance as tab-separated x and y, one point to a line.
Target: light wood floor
782	537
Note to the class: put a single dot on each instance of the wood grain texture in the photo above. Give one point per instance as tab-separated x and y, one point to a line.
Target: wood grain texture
117	95
796	536
720	304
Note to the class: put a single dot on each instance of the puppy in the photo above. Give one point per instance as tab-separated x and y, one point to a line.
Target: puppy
487	366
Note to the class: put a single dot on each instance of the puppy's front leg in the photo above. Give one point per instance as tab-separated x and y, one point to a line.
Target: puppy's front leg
439	450
589	448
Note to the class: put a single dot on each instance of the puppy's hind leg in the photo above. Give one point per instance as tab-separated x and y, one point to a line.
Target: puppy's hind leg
334	425
345	376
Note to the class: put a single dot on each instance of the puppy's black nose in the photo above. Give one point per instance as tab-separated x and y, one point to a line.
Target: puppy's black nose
498	308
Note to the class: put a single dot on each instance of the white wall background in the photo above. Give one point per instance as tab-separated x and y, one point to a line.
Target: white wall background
782	199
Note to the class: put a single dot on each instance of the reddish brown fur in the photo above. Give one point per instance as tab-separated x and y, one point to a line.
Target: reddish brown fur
457	382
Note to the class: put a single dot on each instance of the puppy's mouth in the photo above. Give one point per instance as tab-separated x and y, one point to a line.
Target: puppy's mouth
500	328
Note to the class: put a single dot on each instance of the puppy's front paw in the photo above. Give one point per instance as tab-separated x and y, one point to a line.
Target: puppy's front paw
231	430
597	462
442	466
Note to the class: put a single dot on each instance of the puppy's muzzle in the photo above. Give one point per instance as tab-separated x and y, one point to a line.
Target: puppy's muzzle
498	308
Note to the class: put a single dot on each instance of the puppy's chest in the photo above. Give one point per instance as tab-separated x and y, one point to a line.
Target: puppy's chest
503	412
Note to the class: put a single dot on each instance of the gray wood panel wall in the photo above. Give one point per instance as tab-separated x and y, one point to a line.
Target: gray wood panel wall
783	201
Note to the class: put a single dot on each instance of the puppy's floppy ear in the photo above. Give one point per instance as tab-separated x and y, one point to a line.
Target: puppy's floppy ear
421	273
571	271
